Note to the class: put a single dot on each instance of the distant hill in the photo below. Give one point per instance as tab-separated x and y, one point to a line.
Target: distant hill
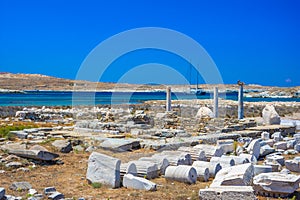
9	81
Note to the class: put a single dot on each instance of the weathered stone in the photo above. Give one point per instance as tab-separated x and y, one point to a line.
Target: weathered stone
210	150
270	116
265	135
277	136
131	181
297	147
181	173
275	165
213	168
227	192
290	152
128	168
223	161
285	171
162	163
175	157
62	145
291	144
38	147
293	165
19	134
204	112
276	182
254	148
196	154
252	159
20	186
259	169
120	145
146	169
238	159
280	145
34	154
265	150
56	196
226	145
239	175
104	169
49	190
275	158
202	173
14	165
2	193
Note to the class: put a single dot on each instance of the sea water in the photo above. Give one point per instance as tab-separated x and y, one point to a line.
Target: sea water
68	98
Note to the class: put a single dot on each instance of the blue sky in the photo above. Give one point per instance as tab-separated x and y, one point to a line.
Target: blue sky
254	41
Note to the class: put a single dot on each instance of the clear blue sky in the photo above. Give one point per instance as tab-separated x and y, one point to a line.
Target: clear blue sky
255	41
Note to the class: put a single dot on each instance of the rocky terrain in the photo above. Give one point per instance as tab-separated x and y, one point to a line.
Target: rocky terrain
144	152
19	82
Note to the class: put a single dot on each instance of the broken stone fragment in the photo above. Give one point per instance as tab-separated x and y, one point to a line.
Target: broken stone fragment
104	169
276	183
239	175
131	181
270	116
20	186
62	146
293	165
227	193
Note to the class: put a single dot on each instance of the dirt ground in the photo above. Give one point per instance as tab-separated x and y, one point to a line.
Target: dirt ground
69	179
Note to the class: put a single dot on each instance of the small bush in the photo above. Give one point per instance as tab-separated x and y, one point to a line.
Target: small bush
96	185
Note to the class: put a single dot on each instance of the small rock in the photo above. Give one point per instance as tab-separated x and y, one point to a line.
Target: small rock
62	145
49	190
20	186
56	196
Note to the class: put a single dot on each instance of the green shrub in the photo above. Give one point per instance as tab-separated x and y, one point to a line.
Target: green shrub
96	185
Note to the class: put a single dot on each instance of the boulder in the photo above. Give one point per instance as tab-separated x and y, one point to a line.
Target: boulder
293	165
181	173
104	169
227	192
254	148
270	116
131	181
276	183
204	112
239	175
63	146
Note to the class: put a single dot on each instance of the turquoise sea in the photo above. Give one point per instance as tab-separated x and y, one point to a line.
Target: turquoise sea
55	98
